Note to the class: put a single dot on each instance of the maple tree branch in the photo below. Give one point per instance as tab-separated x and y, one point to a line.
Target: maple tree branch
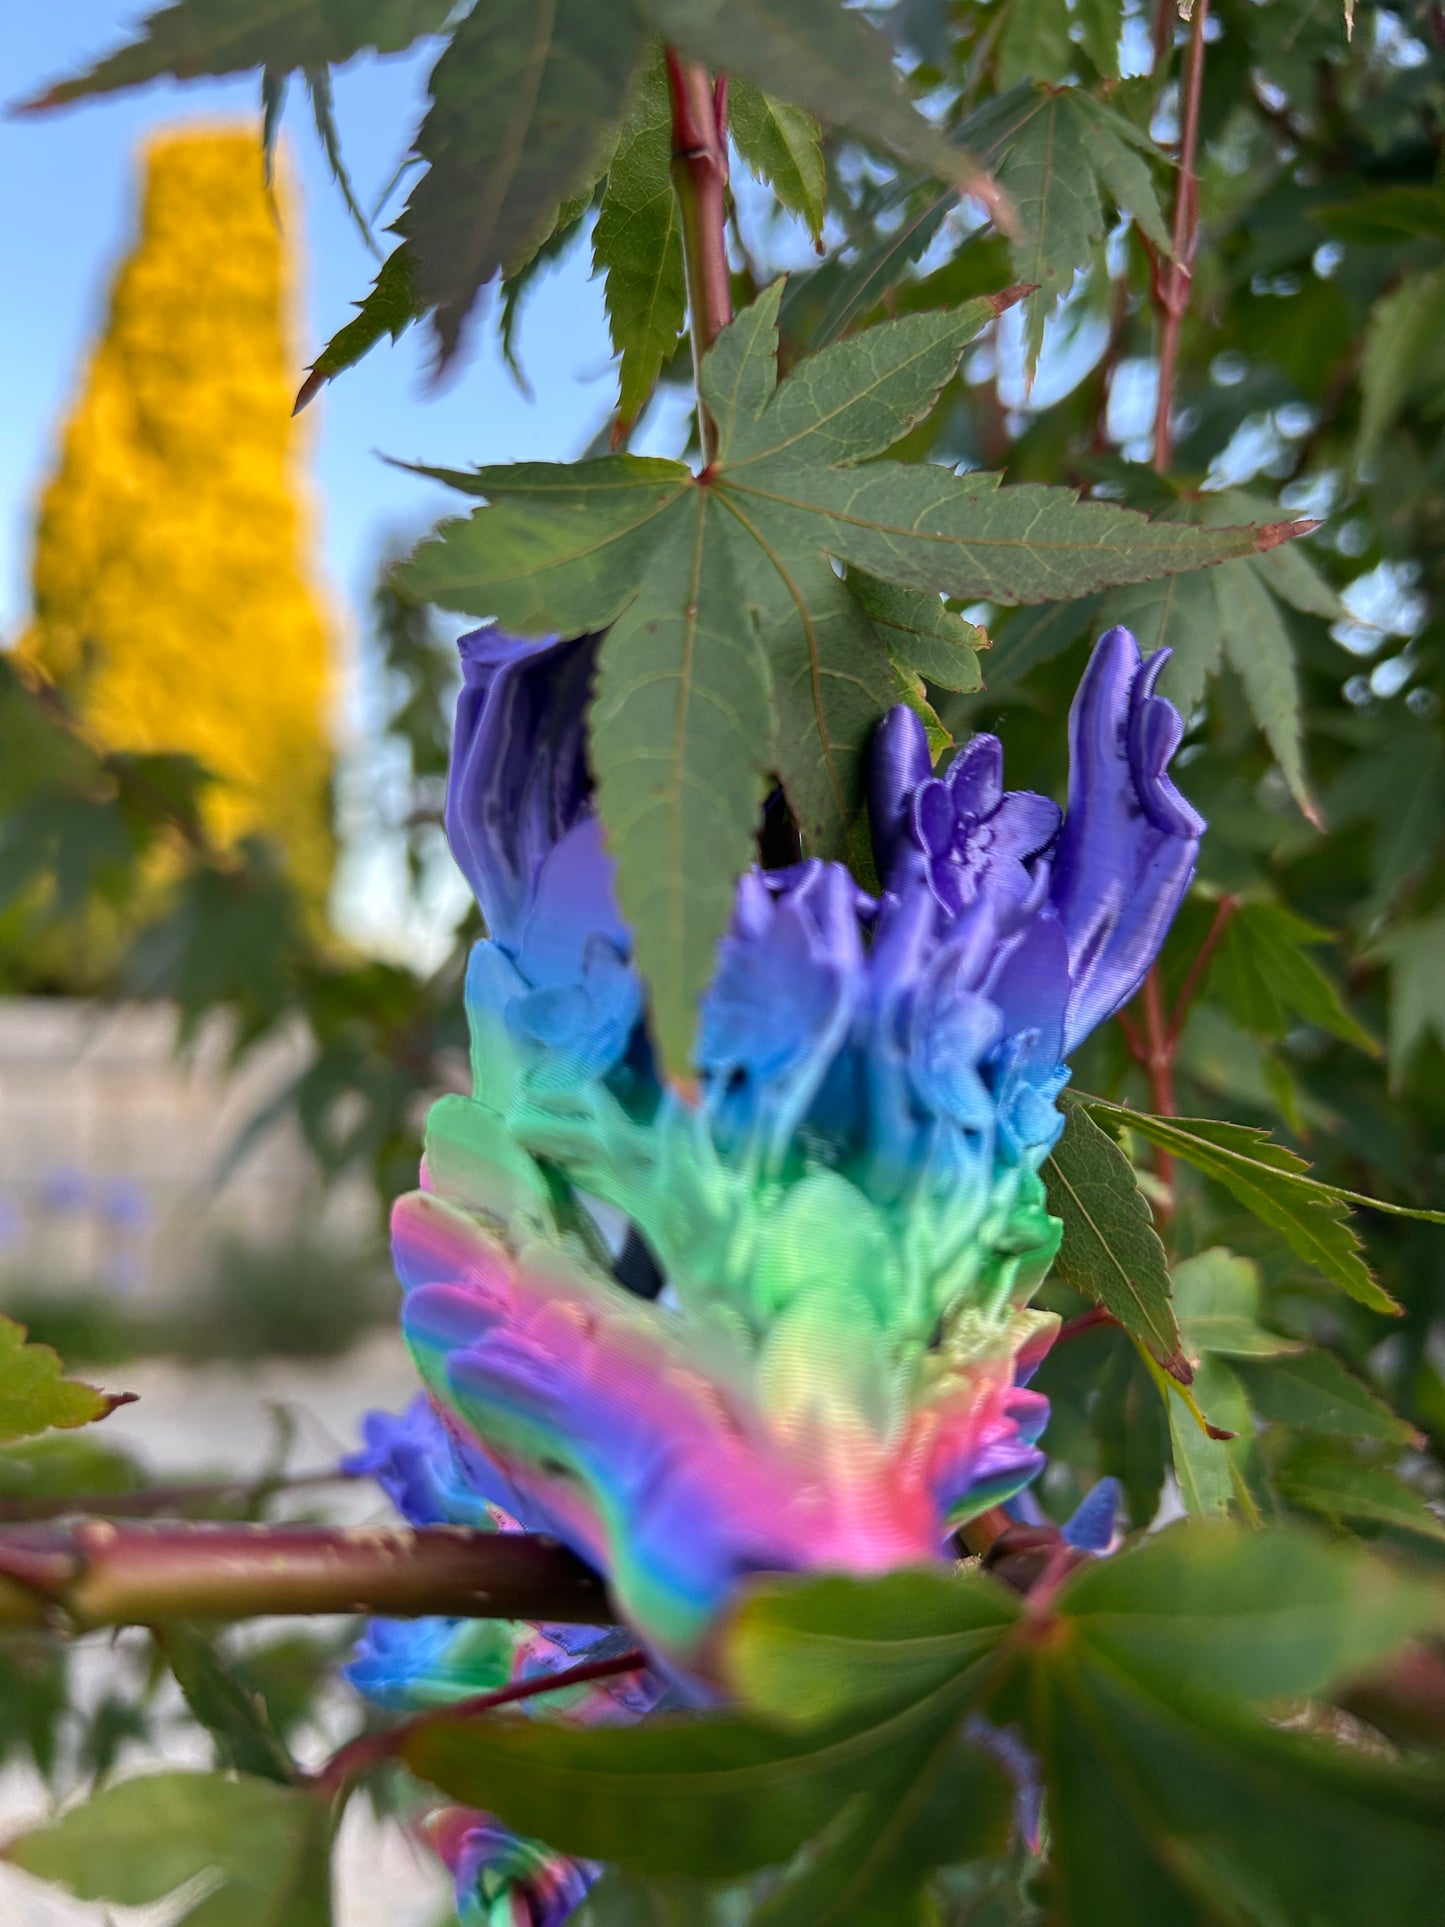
94	1572
1173	280
700	181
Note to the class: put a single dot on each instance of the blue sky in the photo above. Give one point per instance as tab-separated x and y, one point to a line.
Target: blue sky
67	217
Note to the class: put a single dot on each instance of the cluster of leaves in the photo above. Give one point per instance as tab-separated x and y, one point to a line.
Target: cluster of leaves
1230	1348
882	1731
251	1840
110	885
256	1697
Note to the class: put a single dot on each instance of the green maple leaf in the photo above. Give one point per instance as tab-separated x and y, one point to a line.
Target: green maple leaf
781	145
741	650
1217	1297
1264	976
885	1670
1273	1183
33	1395
637	245
250	1853
389	308
1332	1480
1169	1798
1060	156
825	57
204	37
1233	616
1400	357
1110	1250
1033	43
523	100
1399	790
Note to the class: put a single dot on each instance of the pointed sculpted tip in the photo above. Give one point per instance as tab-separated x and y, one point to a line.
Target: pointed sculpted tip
1269	535
1009	297
309	390
35	105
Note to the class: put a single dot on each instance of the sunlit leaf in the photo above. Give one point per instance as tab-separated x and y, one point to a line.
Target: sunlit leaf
1209	1470
1217	1298
680	736
637	244
1111	1251
1269	1181
781	146
33	1394
522	99
200	37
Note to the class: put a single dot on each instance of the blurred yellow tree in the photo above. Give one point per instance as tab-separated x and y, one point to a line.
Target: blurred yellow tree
172	598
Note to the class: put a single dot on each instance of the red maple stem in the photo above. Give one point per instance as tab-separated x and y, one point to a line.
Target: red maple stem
700	180
1164	16
1160	1046
1133	1037
1174	280
1093	1319
1197	971
1158	1063
373	1749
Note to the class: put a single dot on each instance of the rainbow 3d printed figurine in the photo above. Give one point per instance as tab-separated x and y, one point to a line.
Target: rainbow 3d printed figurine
843	1216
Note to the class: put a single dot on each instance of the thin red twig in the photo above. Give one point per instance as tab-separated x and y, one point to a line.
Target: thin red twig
1159	1064
1173	280
1161	1046
1086	1321
1164	17
1132	1036
372	1749
1195	975
700	180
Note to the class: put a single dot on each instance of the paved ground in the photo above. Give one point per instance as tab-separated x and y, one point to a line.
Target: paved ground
186	1420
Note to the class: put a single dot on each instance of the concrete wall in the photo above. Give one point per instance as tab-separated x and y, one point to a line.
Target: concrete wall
113	1151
